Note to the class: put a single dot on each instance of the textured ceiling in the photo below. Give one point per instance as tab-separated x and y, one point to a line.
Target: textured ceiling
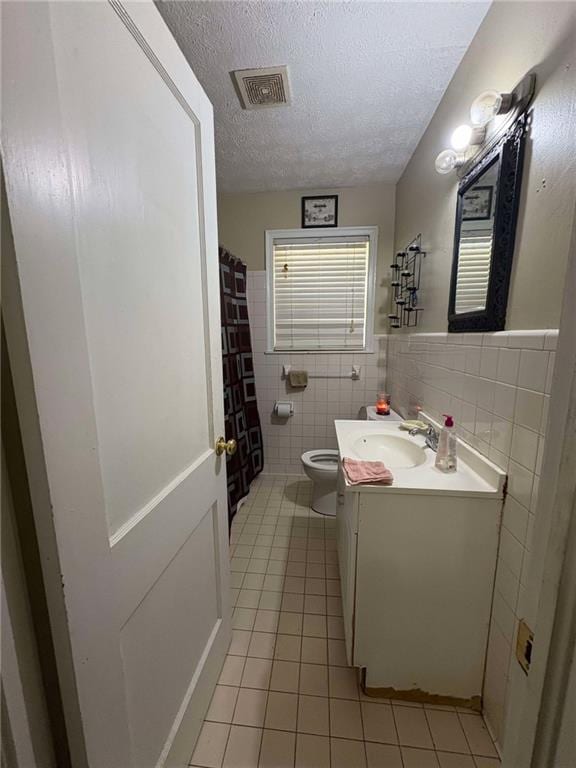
365	77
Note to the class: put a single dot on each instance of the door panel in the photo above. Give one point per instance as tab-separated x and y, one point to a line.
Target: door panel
108	150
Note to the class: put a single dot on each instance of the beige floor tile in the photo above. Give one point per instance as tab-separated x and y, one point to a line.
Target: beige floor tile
332	571
447	732
294	584
288	647
296	569
379	723
243	618
313	680
243	747
290	623
335	627
343	683
412	727
383	756
315	586
232	670
257	673
210	746
313	715
221	708
419	758
252	581
240	642
262	645
333	587
312	751
314	626
315	604
239	564
316	571
236	579
315	556
250	707
292	602
277	750
477	736
266	621
334	606
234	594
347	754
337	653
452	760
276	567
345	719
285	676
282	711
486	762
273	583
248	598
270	601
256	565
314	650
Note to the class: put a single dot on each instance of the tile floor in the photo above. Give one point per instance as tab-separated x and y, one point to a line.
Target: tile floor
286	698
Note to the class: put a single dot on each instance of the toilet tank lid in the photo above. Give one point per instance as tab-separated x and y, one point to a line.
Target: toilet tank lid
373	416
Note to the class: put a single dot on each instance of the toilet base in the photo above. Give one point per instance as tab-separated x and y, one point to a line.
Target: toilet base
324	498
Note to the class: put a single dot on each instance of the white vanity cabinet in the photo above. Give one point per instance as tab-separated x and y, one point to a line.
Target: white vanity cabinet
417	572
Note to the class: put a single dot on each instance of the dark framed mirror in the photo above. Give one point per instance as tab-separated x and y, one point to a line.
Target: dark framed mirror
486	217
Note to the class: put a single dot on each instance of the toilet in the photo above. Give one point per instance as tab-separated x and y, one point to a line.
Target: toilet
321	466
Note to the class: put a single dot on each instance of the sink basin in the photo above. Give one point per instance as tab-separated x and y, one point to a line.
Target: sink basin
396	452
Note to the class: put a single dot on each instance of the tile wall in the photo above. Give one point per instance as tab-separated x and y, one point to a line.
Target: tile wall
497	386
316	407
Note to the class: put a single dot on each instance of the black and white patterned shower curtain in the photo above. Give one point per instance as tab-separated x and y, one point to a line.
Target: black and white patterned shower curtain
240	407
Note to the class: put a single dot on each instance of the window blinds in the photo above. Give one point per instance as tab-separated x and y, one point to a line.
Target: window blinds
473	270
320	288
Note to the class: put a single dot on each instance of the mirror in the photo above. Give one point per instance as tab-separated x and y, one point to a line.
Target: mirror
486	214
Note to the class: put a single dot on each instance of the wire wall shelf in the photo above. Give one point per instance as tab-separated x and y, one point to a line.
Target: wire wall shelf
405	284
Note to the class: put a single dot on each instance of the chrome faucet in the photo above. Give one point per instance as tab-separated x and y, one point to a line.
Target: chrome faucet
432	438
430	435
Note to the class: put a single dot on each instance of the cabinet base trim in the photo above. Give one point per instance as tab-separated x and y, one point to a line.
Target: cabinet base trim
421	697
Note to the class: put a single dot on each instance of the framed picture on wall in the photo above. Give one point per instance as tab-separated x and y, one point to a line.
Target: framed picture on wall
477	204
320	211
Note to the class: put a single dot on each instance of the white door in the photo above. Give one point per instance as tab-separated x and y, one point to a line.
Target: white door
114	338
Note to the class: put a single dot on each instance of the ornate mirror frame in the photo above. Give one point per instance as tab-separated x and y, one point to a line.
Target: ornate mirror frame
506	149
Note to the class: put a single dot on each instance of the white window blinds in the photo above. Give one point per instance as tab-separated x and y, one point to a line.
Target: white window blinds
474	256
319	292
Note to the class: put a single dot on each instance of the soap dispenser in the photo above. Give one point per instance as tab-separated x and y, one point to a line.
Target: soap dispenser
446	453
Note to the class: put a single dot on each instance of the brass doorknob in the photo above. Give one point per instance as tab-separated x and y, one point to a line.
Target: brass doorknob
223	445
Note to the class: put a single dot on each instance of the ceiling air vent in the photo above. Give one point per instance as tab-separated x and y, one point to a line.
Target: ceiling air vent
261	88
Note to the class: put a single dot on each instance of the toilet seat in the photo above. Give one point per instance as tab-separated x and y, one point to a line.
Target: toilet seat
323	460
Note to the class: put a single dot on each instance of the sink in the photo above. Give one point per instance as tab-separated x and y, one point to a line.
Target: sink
396	452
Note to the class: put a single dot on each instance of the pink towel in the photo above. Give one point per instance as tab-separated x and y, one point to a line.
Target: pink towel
360	472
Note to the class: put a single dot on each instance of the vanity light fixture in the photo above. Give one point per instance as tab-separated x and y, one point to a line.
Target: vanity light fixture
448	160
466	136
487	105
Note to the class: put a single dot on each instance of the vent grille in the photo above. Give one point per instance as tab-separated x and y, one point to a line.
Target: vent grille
262	88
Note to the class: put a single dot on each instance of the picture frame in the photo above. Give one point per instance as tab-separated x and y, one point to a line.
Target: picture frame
477	204
319	211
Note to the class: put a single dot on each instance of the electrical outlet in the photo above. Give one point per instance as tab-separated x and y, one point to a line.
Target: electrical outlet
524	645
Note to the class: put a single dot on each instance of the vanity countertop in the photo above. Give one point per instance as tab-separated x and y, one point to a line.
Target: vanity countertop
475	475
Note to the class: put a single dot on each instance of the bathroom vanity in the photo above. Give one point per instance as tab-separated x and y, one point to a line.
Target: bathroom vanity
417	566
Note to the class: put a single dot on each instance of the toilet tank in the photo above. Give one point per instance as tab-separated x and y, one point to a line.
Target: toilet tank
368	413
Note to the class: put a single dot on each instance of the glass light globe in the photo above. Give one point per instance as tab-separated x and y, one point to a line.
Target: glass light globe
460	139
485	107
447	161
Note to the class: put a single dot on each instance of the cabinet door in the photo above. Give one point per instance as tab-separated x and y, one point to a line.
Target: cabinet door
347	527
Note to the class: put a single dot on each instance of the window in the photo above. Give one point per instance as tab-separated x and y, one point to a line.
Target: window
321	289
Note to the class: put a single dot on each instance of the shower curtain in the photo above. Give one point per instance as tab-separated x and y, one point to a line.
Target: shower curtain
240	407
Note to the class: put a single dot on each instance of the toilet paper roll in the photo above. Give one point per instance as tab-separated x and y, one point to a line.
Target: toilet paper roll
282	410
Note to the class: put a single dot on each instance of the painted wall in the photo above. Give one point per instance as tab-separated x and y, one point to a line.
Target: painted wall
514	38
243	219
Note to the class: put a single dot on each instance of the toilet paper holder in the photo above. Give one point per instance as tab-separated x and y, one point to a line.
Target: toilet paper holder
280	408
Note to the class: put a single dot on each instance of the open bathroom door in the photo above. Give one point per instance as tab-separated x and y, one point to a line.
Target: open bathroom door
111	308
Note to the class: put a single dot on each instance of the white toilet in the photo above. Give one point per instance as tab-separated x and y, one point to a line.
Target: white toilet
321	466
